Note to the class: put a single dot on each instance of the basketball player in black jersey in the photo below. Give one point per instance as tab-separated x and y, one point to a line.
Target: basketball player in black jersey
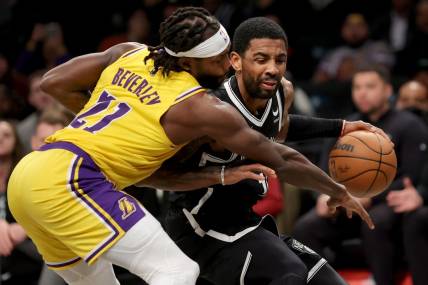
215	225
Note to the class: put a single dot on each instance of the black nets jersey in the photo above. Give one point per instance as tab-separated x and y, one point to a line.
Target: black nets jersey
225	212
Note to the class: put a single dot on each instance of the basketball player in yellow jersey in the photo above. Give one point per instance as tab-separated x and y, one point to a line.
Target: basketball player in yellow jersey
146	103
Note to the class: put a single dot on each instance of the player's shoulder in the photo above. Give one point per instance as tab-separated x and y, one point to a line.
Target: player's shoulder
206	108
219	92
122	49
287	85
287	92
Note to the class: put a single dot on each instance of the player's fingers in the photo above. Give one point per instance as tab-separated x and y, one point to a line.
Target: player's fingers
332	205
379	131
333	202
257	167
349	213
365	216
252	175
383	134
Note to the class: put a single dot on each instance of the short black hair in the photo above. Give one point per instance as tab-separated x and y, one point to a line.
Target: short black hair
181	31
256	28
380	70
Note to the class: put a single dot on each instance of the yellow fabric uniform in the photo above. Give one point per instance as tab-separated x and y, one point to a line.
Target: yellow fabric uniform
66	194
133	145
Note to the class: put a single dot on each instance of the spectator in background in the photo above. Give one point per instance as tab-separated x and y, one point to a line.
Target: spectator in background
138	30
5	75
49	122
222	10
21	268
45	49
416	55
394	27
11	106
341	63
413	96
421	74
319	229
41	102
412	200
13	239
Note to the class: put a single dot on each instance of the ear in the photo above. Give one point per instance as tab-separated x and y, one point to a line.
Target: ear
235	61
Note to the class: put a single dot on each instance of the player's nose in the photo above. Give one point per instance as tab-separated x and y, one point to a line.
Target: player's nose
272	69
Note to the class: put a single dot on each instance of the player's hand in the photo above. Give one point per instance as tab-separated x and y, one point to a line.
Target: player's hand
251	171
366	202
6	243
351	205
405	200
351	126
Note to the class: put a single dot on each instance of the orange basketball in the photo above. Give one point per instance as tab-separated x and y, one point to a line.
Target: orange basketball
364	162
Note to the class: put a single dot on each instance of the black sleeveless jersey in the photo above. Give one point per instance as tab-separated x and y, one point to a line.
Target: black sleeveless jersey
228	209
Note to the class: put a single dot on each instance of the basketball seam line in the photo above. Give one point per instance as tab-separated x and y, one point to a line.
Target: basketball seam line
369	146
362	158
360	173
378	167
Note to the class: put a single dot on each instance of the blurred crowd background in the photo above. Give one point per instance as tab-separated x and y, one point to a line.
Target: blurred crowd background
326	38
328	41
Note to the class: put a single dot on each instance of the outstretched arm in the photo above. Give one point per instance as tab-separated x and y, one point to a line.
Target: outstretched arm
176	180
220	121
71	82
298	127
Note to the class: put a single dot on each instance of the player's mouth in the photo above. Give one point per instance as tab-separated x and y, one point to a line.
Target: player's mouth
269	84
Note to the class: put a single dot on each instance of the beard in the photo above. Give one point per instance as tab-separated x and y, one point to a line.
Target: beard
210	82
253	86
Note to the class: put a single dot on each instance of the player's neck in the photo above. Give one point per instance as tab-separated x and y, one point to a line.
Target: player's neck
254	105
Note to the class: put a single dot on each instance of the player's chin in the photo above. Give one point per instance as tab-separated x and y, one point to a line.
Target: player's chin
267	93
262	94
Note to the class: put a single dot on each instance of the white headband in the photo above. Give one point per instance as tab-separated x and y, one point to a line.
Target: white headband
212	46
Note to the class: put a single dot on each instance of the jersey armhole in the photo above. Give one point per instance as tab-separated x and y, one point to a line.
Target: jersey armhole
188	93
133	51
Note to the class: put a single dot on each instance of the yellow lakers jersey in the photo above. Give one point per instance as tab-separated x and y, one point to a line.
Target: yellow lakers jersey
120	127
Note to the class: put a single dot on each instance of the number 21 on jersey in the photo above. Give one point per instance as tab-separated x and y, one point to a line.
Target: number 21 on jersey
102	106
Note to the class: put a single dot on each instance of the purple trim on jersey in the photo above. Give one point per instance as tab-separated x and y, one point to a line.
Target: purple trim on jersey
133	51
62	264
94	184
188	92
